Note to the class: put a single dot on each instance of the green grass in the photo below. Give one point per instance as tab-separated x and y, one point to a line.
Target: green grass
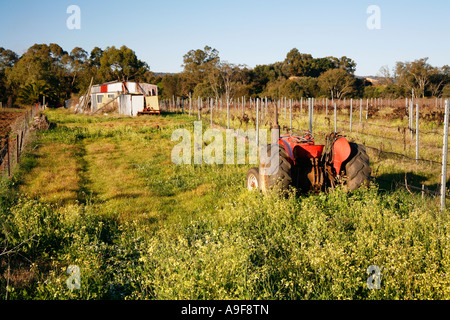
102	193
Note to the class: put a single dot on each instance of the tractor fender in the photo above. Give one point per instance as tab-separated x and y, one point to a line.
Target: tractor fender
341	152
288	149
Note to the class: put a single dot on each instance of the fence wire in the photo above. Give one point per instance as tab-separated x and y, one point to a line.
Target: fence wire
16	140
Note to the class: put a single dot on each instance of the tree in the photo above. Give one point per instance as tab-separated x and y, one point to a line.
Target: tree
121	65
446	91
264	74
309	86
344	63
230	76
385	74
88	70
33	92
171	84
200	61
203	90
439	77
215	81
321	65
35	64
347	64
7	60
421	71
95	56
44	63
291	89
198	66
337	82
414	75
75	63
297	64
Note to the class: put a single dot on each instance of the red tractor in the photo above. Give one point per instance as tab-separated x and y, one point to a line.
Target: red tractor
310	167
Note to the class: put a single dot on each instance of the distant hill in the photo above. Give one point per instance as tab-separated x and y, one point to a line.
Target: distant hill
374	80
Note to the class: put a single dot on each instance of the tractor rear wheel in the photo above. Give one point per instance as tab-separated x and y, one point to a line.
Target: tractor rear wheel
252	180
357	168
280	174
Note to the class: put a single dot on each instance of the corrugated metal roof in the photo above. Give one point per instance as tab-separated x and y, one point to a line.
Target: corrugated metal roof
129	86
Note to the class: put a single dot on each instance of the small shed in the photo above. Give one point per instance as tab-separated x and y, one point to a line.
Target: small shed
130	98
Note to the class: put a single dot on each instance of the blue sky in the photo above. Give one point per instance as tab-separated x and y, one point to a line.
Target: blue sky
244	32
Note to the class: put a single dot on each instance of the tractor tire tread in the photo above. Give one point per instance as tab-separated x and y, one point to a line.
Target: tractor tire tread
358	167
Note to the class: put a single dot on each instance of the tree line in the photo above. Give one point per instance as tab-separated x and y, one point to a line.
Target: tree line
48	70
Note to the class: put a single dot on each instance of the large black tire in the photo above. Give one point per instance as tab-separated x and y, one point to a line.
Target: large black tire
357	168
252	179
271	178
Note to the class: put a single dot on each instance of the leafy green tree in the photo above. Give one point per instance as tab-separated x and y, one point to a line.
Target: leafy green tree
346	64
203	90
421	78
321	65
414	75
35	64
75	63
171	85
231	76
421	72
337	82
446	91
200	61
291	89
89	70
297	64
309	87
263	74
439	77
197	66
273	89
7	60
34	92
121	65
95	56
44	63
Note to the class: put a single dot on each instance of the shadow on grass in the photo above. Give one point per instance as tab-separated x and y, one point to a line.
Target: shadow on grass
84	194
28	161
392	181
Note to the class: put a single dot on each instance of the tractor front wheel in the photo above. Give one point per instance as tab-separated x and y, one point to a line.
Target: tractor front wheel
252	180
276	172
